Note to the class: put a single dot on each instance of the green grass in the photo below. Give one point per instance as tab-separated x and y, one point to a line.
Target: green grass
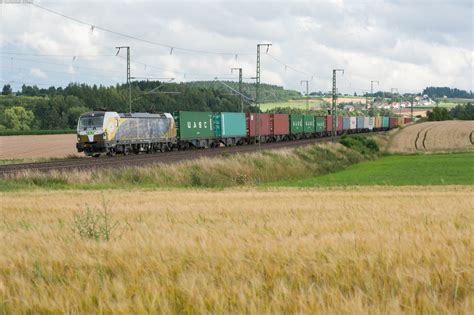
398	170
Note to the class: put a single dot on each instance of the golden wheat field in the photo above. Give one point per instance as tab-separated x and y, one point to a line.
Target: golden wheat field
367	250
434	137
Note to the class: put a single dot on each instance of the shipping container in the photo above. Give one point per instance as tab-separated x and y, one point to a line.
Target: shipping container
194	125
296	124
353	123
328	123
228	125
360	122
308	124
263	128
385	123
346	123
378	122
400	121
320	124
407	120
280	124
339	123
366	123
393	122
371	123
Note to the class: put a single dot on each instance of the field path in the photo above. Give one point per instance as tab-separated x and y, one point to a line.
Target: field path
42	146
434	137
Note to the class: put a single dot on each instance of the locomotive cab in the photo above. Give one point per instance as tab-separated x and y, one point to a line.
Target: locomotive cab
94	130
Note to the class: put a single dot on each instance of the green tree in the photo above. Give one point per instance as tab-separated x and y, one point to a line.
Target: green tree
18	118
7	89
438	114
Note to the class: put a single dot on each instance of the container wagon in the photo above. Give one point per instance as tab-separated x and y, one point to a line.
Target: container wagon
385	123
353	124
258	127
371	123
320	127
280	126
378	123
308	126
346	124
296	126
366	124
195	129
229	128
339	124
407	120
393	122
360	124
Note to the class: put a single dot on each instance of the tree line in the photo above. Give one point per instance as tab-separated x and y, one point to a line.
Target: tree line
459	112
59	108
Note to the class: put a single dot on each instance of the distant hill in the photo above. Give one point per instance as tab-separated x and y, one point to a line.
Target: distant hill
268	93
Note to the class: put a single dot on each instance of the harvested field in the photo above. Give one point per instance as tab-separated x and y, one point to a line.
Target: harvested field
439	136
44	146
369	250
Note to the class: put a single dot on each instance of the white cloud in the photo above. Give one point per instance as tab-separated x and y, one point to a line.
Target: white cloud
38	73
403	44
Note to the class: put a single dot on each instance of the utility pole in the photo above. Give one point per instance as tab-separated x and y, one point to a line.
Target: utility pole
307	92
371	93
257	86
395	91
334	104
240	87
128	75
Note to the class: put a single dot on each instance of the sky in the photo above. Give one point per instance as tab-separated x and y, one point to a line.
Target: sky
402	44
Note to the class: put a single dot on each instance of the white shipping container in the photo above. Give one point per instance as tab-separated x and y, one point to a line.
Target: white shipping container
371	123
366	123
353	122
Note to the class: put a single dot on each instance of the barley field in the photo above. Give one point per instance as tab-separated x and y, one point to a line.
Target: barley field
439	136
248	250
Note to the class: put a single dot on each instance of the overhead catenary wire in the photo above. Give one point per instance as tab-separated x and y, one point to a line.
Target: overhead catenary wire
170	47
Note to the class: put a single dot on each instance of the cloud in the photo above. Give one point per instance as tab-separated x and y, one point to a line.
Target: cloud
38	73
403	44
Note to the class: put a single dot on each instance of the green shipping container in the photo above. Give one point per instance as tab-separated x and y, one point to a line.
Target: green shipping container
296	124
308	123
385	122
194	125
320	124
229	125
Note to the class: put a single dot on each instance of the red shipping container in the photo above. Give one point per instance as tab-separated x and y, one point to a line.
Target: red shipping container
280	124
340	121
393	122
328	123
264	128
407	120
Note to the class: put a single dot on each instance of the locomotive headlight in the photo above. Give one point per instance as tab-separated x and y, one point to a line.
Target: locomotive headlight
78	138
104	136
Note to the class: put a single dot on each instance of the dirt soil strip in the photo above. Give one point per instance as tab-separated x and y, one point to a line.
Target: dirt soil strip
42	146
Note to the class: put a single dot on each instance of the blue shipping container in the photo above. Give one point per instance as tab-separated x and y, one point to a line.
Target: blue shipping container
229	125
360	122
346	123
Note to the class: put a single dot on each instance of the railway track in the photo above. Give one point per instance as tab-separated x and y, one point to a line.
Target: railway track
149	159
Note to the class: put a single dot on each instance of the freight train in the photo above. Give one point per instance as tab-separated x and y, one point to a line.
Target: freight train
100	133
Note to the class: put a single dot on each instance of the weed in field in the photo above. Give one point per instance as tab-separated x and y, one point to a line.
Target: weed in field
95	224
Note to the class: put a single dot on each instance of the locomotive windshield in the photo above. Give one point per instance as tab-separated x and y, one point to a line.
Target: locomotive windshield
91	121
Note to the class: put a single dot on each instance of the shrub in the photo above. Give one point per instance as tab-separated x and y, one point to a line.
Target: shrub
360	143
95	224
